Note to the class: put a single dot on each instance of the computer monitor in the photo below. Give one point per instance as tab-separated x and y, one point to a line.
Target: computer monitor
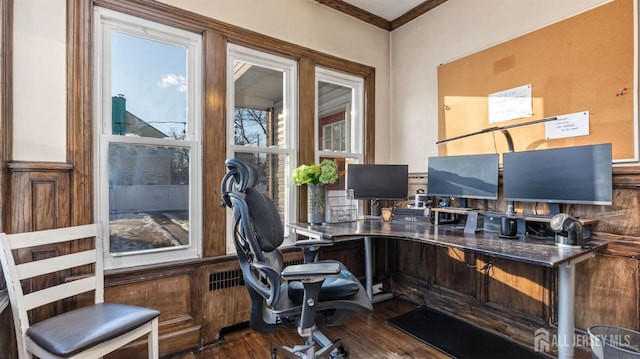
463	176
578	175
378	182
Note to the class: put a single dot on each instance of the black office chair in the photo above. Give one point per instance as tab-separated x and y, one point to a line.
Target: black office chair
304	296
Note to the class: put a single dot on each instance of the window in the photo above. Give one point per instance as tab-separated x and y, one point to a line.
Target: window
148	155
334	136
261	123
339	119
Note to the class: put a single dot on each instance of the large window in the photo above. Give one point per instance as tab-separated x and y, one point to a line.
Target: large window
261	123
148	159
339	119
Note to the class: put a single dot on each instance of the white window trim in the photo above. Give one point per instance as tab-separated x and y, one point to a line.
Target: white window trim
104	21
328	128
290	111
356	128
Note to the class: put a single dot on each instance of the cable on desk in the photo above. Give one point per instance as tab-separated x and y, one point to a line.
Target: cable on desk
485	268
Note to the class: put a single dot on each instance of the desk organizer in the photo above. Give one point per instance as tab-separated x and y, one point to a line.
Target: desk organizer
341	206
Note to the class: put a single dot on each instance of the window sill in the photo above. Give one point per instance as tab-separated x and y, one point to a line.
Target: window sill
161	269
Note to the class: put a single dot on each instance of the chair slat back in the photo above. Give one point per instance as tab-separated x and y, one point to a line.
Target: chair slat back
55	264
58	292
21	303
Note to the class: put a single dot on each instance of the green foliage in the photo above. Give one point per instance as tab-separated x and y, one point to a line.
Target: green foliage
324	173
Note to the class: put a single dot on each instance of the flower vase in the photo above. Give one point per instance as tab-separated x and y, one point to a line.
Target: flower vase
315	203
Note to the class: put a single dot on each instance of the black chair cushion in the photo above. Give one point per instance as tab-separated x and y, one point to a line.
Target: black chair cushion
266	220
72	332
333	288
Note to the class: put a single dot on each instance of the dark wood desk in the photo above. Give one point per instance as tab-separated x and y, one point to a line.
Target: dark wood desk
541	252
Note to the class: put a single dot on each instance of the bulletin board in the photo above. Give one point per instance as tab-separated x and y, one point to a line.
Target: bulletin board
583	63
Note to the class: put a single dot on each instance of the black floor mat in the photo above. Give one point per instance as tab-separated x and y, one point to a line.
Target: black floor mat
458	338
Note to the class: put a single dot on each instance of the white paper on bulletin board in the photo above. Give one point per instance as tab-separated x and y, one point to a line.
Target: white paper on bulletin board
510	104
570	125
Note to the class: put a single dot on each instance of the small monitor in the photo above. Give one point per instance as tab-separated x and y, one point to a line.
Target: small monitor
464	176
578	175
378	181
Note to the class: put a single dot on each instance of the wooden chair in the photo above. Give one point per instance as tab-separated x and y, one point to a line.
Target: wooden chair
90	331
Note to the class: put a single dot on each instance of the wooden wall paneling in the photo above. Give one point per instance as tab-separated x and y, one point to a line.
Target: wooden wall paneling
214	142
169	291
349	253
517	285
7	337
39	196
454	270
306	125
6	106
623	216
370	117
79	110
607	292
415	260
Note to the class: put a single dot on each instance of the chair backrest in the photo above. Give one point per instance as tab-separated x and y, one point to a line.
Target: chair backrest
258	232
16	273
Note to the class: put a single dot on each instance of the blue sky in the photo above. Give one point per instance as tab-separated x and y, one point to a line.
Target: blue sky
152	77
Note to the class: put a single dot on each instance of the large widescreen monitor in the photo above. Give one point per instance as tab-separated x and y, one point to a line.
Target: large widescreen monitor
464	176
376	182
580	175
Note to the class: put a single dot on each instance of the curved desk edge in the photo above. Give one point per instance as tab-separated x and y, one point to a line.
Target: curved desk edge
535	251
544	253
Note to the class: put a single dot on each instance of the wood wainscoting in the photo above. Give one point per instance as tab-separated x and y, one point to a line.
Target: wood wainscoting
196	298
523	296
199	298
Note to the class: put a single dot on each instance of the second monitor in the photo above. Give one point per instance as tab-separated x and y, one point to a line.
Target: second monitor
465	176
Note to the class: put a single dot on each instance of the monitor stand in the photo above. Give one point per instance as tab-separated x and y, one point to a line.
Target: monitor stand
462	203
555	208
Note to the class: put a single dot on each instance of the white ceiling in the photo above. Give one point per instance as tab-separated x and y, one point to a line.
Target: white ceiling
387	9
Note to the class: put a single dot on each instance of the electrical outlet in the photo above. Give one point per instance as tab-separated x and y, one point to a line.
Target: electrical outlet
377	288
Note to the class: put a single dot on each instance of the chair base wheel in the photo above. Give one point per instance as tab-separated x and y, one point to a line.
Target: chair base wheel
339	353
334	351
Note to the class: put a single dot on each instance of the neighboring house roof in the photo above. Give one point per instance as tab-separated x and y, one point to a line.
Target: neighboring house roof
137	126
126	123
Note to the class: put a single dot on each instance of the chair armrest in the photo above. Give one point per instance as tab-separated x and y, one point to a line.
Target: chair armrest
311	271
313	242
310	247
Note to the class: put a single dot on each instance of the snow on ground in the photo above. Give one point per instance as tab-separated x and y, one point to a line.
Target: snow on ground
137	231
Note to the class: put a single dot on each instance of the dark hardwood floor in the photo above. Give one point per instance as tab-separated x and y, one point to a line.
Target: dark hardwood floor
364	336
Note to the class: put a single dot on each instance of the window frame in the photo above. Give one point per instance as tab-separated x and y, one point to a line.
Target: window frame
289	68
355	128
105	22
